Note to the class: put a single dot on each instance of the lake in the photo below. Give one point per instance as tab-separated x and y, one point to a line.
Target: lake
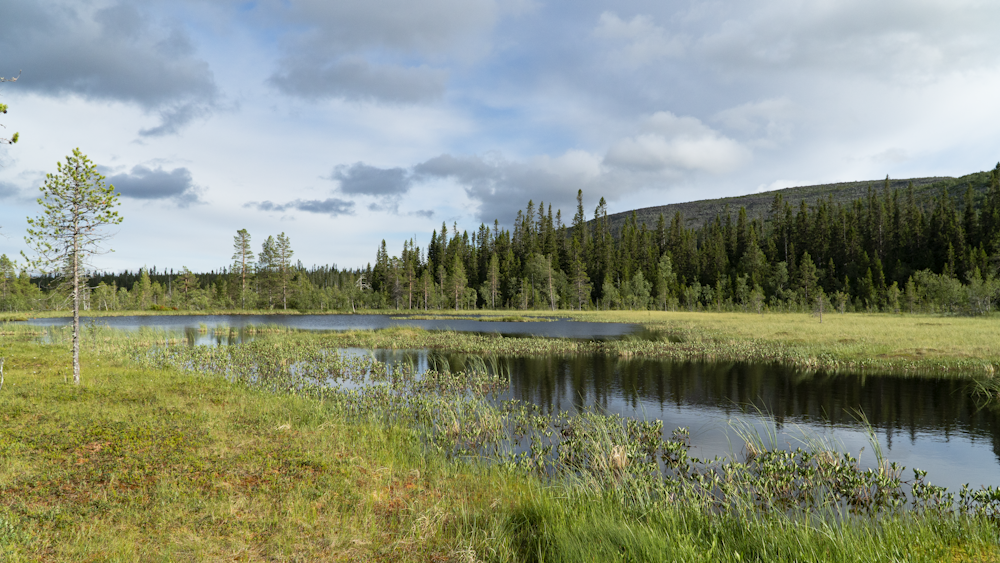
556	328
934	424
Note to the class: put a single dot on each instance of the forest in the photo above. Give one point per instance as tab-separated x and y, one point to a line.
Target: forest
888	250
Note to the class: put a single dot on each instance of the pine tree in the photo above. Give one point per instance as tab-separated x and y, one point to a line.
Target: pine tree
243	264
76	207
283	256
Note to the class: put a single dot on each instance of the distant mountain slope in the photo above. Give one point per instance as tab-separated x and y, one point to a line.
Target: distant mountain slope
758	205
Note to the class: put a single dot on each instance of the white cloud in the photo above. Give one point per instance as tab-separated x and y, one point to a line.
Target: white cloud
677	144
767	122
894	39
501	187
644	41
386	50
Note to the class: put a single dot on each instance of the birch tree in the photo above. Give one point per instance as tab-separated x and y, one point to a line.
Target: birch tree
77	206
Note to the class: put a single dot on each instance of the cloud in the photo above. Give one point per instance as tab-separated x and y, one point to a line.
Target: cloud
893	155
669	143
386	184
429	27
503	187
666	152
353	78
895	39
751	117
110	53
8	190
644	41
769	121
384	51
146	183
173	118
330	206
362	179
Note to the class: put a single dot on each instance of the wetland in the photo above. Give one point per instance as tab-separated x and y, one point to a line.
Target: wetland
484	443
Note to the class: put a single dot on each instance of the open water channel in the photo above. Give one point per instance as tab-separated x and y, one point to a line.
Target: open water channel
934	424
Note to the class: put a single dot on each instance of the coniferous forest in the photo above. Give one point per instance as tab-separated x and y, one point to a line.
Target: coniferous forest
891	250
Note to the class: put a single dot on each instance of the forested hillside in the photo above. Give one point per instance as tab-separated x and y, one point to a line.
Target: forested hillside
924	245
758	205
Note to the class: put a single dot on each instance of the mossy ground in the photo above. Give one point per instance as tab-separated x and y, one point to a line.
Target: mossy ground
166	466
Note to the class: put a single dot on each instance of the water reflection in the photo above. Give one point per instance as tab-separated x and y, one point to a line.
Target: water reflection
930	423
556	328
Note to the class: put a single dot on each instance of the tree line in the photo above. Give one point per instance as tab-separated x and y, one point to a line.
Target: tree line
886	251
267	279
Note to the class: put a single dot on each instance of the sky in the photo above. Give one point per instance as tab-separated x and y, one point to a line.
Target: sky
343	123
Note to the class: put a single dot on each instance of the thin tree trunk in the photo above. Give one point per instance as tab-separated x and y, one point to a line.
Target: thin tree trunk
76	307
552	298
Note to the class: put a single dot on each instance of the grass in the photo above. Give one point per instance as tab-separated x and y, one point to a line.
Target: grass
144	462
141	465
866	343
857	342
878	343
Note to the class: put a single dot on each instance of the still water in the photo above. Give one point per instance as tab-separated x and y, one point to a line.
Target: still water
555	328
934	424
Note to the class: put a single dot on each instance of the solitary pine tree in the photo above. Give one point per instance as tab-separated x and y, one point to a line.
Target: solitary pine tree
76	206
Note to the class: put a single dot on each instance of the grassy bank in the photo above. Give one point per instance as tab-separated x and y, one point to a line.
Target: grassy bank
144	463
854	342
875	344
870	343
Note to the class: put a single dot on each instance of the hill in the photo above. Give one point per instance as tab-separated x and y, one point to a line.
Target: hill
758	205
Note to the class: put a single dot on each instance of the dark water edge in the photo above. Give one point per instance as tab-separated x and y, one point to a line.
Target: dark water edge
934	424
556	328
